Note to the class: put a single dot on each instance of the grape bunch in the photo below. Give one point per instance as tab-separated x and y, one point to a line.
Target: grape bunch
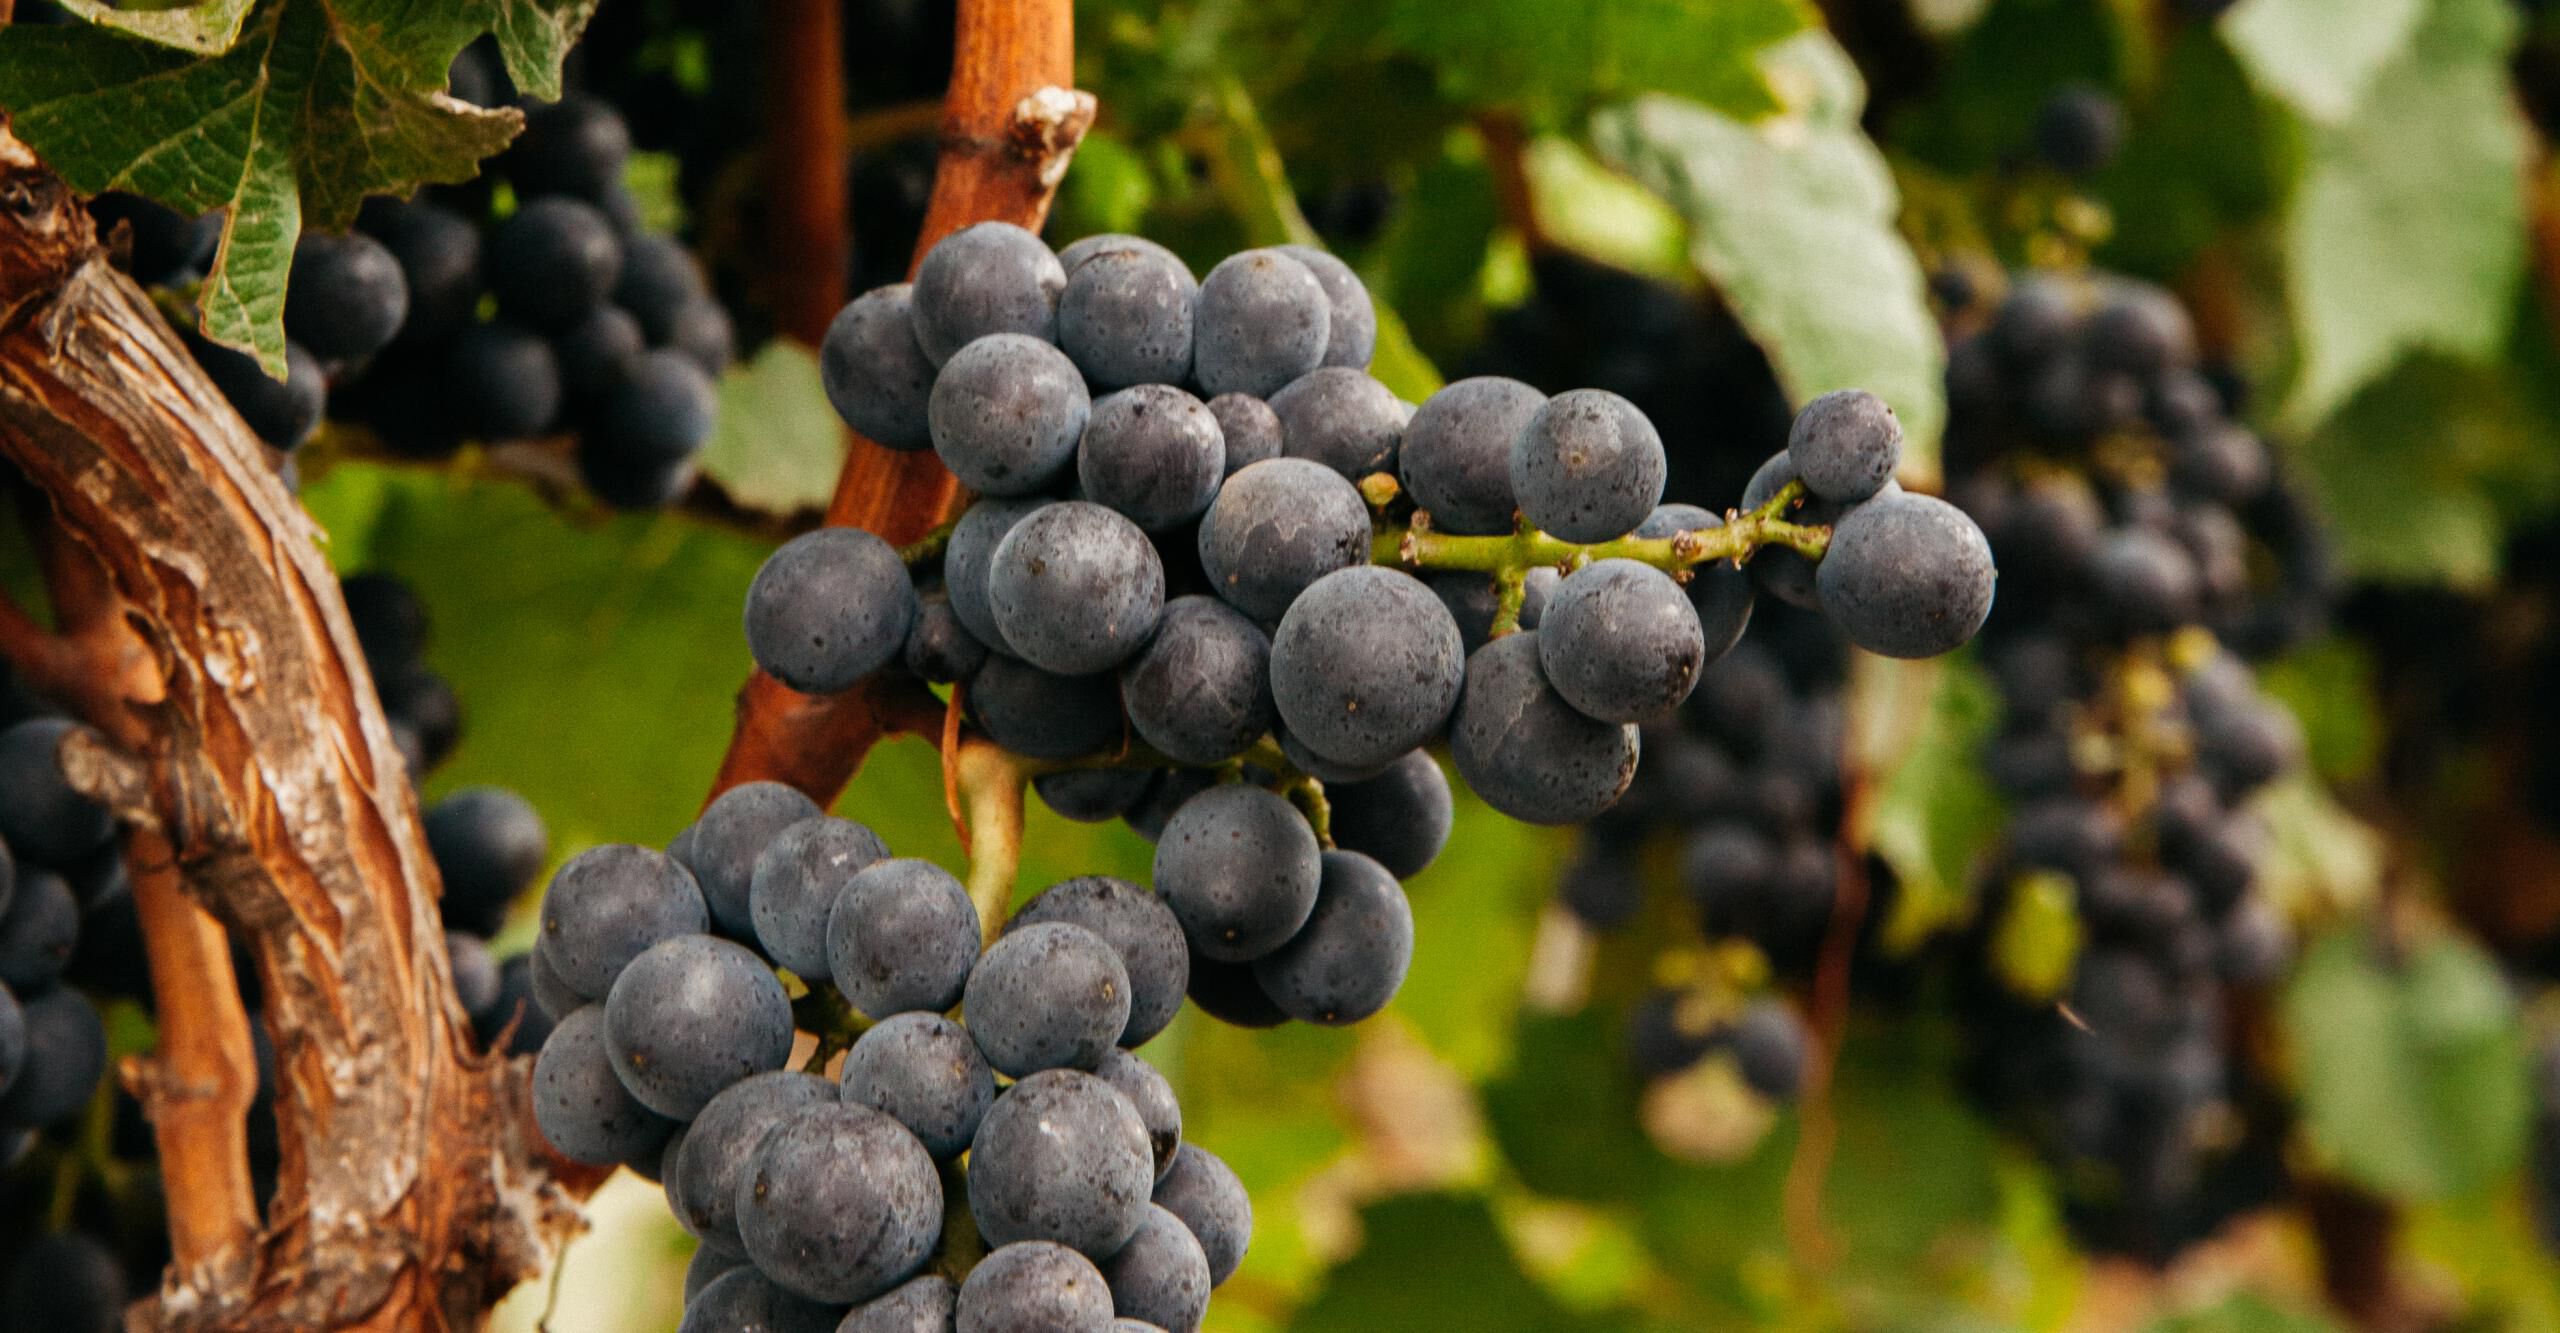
830	1195
2153	551
602	330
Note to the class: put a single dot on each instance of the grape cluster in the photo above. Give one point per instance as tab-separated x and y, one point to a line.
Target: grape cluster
2153	549
602	330
827	1200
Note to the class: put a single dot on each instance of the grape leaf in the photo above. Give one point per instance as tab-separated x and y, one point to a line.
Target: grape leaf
208	28
311	106
1510	51
2413	1075
2319	56
1937	813
1438	1261
777	446
2435	150
1793	219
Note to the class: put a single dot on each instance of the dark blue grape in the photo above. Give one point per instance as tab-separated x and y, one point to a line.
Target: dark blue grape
1238	866
581	1107
1457	453
438	251
798	879
903	936
1212	1203
875	374
488	844
599	352
2078	130
1366	665
1034	1287
1770	1045
64	1282
990	278
921	1305
1200	691
516	1004
1278	526
1061	1157
1153	453
637	451
576	146
1350	957
1042	715
967	557
1161	1276
709	1264
1620	641
1845	445
925	1072
1907	576
1139	927
281	412
1247	428
1103	243
1474	600
608	905
1719	590
727	839
1351	320
475	973
743	1300
829	608
659	279
839	1203
1125	317
1048	996
1075	588
1401	817
1093	795
345	297
553	261
703	1177
42	817
1341	418
38	930
939	648
1147	1090
1527	752
502	383
1263	320
555	996
691	1016
1782	572
1588	467
1006	414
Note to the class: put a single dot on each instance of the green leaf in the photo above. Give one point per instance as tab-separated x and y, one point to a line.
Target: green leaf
2435	150
316	104
1997	77
1937	812
2245	1312
1572	1070
1437	1261
2413	1077
2319	56
1793	219
208	28
1513	51
778	446
2329	685
2411	471
2203	156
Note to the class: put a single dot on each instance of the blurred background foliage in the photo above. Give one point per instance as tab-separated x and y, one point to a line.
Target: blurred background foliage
1718	207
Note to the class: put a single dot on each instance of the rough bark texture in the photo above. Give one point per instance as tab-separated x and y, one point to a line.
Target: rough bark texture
245	744
1009	127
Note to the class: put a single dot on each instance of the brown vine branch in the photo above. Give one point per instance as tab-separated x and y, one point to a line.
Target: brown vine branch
1009	126
412	1188
805	166
1506	155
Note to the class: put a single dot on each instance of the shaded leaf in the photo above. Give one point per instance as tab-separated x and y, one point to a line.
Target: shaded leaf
1793	219
1937	813
207	28
2413	1077
2246	1312
1437	1261
1511	51
2319	56
778	446
2202	157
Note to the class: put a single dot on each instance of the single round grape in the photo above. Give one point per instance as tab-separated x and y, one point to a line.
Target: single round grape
518	1005
345	297
2141	330
967	557
1075	588
1061	1157
876	376
2224	462
903	936
659	279
939	648
990	278
829	608
1351	956
1620	642
1212	1203
1173	787
64	1282
702	1179
743	1300
583	1110
1278	526
1907	576
2146	582
798	878
552	261
1366	665
1263	320
1139	927
1042	715
281	412
1351	320
1323	768
1238	866
1200	691
839	1203
1093	795
704	335
66	1046
1588	467
691	1016
599	352
502	382
1153	453
1457	453
1006	414
709	1264
925	1072
1103	243
920	1305
1527	752
438	251
1247	428
2241	748
1845	445
1147	1090
1125	317
1048	996
1401	817
727	839
1229	993
1770	1045
2078	130
43	818
475	972
637	450
576	146
1034	1287
391	624
1719	590
556	996
1341	418
607	905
